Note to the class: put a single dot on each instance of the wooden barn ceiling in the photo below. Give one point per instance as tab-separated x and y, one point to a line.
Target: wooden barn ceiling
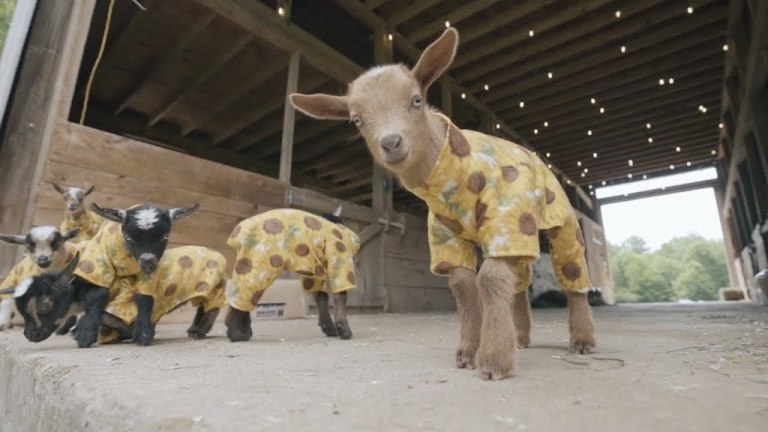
602	89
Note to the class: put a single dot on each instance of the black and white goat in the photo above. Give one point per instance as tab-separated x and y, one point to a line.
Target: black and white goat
46	249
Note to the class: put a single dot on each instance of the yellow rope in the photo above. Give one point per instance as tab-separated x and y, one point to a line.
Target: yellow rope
96	63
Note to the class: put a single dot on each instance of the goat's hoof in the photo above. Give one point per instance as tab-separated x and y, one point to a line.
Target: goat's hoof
582	345
523	340
143	338
343	330
195	334
465	359
328	328
495	365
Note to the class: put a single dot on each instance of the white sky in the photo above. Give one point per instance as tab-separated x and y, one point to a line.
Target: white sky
659	219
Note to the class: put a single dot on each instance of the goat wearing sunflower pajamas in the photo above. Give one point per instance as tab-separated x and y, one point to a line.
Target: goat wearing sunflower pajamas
318	249
481	191
188	274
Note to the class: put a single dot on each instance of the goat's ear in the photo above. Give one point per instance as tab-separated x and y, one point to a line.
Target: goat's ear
321	106
182	212
14	239
69	235
59	189
64	278
116	215
436	59
88	192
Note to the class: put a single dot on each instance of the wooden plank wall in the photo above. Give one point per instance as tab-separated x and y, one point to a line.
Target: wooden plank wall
408	283
597	258
127	172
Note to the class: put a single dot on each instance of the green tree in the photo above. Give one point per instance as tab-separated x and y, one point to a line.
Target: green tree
635	244
6	13
695	283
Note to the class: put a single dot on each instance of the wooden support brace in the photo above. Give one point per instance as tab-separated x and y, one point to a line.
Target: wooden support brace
286	153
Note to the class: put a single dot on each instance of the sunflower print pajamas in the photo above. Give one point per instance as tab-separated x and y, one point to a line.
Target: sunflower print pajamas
185	274
492	193
88	223
294	240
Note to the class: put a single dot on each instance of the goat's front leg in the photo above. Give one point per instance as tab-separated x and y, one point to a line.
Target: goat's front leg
462	283
580	323
93	301
238	325
143	331
498	340
340	315
324	319
68	325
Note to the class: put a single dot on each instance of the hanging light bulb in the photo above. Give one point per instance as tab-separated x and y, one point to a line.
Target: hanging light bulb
671	80
645	176
661	81
549	75
594	155
672	166
546	124
583	175
281	11
447	23
688	163
522	104
586	170
578	163
592	101
530	32
389	36
623	49
720	125
631	162
725	47
618	14
647	125
486	87
713	152
549	166
629	175
535	131
589	132
689	10
463	95
650	140
547	154
603	182
498	126
677	149
602	110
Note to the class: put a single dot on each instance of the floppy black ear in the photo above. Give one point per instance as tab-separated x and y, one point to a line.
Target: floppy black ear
116	215
88	192
14	239
69	235
182	212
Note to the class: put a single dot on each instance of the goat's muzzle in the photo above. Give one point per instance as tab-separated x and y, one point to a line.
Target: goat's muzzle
392	147
44	261
148	263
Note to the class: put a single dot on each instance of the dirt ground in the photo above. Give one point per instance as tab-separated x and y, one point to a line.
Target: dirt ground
669	368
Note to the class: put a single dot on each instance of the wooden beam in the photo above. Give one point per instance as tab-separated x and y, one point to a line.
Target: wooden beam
318	202
553	47
223	102
162	60
464	11
352	184
258	112
404	14
268	25
181	92
593	67
659	192
513	13
310	128
564	13
669	104
286	152
609	91
42	97
338	133
363	197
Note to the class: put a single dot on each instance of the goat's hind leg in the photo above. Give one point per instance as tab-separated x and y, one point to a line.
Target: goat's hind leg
521	306
340	315
324	319
203	323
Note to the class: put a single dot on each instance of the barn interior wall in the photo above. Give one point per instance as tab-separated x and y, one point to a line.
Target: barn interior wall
744	140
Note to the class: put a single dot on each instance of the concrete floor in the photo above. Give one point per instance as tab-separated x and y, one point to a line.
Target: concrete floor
668	368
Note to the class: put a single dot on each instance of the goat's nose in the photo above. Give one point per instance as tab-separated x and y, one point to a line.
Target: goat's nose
391	143
43	261
148	263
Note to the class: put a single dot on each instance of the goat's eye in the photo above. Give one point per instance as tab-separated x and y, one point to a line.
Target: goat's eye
357	121
416	101
166	237
127	237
